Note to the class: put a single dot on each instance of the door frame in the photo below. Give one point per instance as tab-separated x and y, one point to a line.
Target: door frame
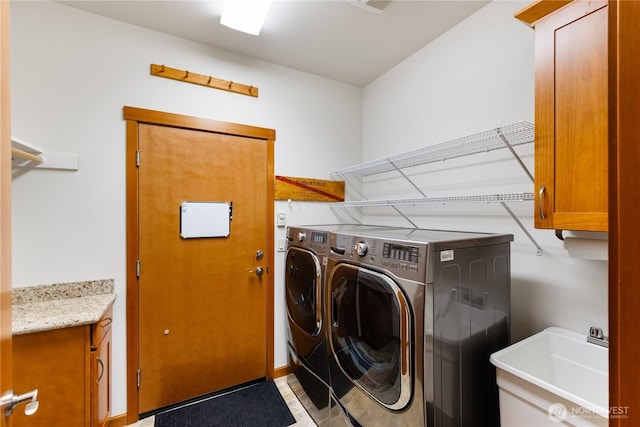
624	229
6	372
134	117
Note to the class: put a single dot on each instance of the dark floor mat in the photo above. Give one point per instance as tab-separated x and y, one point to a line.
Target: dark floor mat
259	405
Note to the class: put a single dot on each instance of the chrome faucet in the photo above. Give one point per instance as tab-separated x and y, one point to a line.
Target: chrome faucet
596	336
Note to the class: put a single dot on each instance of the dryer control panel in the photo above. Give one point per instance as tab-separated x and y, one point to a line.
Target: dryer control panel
407	261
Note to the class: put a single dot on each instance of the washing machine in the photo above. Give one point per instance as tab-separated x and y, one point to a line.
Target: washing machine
307	253
413	317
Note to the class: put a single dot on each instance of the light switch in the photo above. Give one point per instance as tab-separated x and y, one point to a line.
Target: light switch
281	219
281	244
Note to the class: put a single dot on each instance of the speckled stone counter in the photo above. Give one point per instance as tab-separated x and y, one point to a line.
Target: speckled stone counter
63	305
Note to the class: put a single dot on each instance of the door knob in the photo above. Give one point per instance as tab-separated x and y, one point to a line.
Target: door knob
9	401
258	271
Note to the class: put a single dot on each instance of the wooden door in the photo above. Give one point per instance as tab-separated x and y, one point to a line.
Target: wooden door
6	382
202	304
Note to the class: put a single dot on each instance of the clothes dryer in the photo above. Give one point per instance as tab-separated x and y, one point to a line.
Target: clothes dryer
414	316
306	259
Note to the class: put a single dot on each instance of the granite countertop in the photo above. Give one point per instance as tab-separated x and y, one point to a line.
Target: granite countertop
62	305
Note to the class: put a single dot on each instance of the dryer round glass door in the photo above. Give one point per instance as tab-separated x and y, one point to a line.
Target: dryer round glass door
371	330
303	287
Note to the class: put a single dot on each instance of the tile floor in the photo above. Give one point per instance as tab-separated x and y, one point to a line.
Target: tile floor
297	410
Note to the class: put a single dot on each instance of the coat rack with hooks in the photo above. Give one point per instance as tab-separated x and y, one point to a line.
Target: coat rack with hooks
202	80
24	155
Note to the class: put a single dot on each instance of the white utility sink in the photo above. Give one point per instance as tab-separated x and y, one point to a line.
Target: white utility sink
553	378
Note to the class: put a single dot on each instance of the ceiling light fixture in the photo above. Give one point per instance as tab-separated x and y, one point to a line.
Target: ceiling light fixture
245	15
371	5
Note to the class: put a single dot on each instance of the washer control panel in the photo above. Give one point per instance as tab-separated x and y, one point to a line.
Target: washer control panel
401	252
319	237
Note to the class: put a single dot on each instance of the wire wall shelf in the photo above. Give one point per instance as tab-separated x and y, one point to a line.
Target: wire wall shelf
445	200
493	139
507	136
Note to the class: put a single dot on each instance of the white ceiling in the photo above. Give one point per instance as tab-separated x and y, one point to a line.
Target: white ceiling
329	38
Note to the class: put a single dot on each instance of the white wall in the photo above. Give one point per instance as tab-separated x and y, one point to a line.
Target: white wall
477	76
72	72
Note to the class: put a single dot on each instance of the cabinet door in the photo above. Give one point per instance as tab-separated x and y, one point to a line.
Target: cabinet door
56	363
571	118
101	382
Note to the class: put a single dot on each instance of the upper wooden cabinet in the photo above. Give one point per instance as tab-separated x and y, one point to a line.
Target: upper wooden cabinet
571	107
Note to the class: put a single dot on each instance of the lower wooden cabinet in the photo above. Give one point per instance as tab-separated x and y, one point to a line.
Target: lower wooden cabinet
71	368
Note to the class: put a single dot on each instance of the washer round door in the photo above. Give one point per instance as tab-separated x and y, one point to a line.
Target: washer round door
371	330
303	288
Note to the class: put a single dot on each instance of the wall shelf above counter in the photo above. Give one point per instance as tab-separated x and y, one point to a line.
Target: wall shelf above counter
25	155
508	136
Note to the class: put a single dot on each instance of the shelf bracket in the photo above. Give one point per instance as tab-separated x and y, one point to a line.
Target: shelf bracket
515	155
406	178
348	185
523	228
345	209
28	156
395	208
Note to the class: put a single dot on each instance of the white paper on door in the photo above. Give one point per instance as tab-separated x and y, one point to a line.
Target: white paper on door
204	219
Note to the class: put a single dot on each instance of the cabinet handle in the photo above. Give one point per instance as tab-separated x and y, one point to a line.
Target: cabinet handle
101	369
540	193
9	401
